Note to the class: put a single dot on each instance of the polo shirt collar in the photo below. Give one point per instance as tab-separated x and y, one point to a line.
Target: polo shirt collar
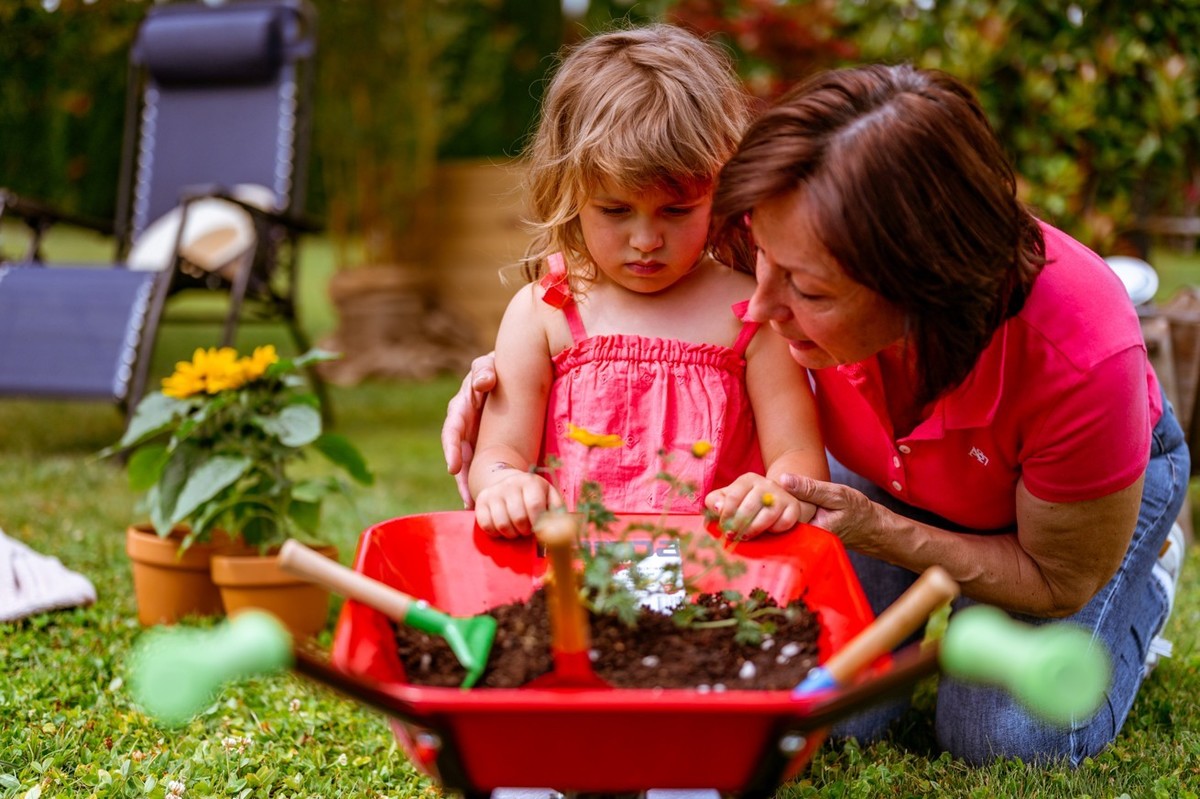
973	403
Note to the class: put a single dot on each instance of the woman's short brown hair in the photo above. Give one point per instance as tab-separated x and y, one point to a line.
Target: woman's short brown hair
912	194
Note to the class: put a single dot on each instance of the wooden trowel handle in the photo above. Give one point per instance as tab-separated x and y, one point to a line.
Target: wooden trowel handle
297	559
904	616
557	532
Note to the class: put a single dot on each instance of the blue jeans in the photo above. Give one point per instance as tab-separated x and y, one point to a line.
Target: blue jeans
979	723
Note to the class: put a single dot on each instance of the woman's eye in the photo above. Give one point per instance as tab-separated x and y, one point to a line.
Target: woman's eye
804	295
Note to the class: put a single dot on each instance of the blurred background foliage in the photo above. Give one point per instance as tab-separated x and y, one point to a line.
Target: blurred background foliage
1098	103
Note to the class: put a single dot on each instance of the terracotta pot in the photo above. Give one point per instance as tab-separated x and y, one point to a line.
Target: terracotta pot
257	581
168	584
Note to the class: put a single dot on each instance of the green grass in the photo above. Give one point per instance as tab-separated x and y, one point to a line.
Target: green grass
68	727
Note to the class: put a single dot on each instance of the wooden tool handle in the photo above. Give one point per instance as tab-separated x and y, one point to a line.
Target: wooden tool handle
297	559
902	618
557	532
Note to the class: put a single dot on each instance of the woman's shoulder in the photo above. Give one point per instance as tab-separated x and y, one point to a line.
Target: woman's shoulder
1078	305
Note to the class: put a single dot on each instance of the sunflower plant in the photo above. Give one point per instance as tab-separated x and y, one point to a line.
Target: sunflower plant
216	446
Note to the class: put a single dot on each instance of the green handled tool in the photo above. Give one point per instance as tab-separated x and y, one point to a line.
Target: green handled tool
176	670
470	638
1056	670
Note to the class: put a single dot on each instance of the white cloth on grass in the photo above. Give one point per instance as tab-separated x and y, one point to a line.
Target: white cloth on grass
32	583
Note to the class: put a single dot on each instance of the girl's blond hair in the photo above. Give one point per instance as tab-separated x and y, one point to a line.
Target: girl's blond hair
652	106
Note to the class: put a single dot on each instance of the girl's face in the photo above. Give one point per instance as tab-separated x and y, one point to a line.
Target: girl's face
806	296
645	240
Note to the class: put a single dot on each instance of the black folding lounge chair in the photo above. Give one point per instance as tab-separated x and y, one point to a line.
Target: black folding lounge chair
218	100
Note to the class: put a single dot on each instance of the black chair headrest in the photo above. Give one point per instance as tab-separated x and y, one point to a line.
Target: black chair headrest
221	44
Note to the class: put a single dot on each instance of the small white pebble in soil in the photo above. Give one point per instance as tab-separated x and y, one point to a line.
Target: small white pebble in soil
426	661
782	660
650	661
747	671
767	643
790	650
718	687
593	655
702	688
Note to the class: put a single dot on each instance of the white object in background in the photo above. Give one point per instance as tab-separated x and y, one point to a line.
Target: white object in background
1139	277
32	583
219	235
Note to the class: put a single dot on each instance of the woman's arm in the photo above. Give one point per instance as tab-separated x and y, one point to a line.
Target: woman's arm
508	496
789	437
1053	563
460	431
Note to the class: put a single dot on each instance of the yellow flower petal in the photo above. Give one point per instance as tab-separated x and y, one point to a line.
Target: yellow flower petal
701	448
768	500
253	366
590	439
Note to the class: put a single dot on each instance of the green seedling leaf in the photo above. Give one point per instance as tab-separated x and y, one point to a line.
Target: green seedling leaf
338	449
316	356
163	496
306	515
155	414
145	466
206	481
295	426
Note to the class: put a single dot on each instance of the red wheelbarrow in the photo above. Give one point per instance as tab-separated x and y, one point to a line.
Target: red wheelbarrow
609	740
592	740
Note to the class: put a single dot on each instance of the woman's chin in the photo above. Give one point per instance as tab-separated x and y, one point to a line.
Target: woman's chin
809	355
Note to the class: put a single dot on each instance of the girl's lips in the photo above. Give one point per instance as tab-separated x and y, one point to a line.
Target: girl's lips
646	268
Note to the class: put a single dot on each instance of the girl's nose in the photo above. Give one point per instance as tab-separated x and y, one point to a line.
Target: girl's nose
646	237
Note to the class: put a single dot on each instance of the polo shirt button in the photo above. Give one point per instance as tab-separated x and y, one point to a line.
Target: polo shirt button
896	485
896	461
904	448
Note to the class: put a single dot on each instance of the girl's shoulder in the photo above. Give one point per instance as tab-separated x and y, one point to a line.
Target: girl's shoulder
725	285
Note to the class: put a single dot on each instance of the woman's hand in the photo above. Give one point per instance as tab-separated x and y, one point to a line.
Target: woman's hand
510	506
461	428
843	511
752	505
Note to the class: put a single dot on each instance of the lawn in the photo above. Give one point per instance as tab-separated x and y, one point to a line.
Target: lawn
68	727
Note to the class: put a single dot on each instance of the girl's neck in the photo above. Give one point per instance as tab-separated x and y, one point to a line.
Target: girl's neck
694	308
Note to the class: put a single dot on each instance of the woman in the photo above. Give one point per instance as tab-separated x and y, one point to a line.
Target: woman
981	378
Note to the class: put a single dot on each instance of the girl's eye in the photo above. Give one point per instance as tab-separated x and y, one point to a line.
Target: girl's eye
677	211
613	210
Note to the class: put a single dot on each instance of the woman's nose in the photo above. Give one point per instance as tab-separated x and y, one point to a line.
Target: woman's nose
764	306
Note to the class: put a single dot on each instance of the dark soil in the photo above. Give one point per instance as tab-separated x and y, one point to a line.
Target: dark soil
655	654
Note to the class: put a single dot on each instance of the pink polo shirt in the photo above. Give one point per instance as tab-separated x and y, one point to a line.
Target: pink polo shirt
1063	398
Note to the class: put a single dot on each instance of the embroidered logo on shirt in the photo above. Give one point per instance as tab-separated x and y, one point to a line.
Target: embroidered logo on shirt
978	455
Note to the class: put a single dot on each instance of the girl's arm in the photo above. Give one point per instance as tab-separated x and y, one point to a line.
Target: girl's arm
785	414
508	496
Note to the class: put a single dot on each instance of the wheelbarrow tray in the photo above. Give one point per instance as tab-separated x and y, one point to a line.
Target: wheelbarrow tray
592	739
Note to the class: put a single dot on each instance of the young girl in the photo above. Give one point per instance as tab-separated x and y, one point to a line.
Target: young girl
633	332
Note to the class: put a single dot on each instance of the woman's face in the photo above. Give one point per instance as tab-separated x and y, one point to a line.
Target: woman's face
806	296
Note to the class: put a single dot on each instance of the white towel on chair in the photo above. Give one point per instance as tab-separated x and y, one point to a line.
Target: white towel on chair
33	583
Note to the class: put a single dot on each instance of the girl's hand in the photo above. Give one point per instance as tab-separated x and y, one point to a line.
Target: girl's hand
461	428
752	504
510	506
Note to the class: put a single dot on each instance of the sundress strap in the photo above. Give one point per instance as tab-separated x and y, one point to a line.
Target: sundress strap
748	328
558	295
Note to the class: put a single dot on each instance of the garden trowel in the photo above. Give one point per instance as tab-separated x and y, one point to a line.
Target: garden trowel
470	638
